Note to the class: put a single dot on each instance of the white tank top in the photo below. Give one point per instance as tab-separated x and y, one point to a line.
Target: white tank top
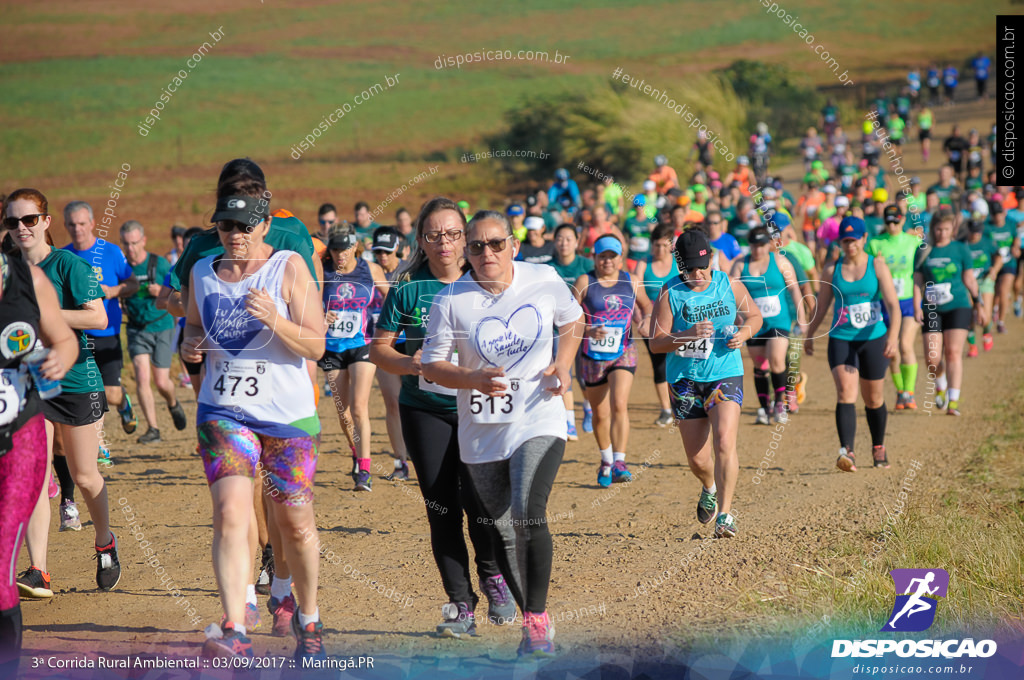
252	377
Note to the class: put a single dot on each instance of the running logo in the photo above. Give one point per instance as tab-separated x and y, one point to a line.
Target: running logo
917	596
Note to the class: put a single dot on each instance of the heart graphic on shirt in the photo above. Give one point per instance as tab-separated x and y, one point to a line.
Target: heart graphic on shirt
228	323
506	342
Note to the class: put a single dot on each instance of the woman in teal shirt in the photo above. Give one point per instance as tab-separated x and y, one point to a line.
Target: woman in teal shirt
859	346
654	272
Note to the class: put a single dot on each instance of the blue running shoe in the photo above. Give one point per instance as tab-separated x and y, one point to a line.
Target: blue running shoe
588	420
604	475
621	473
573	436
104	458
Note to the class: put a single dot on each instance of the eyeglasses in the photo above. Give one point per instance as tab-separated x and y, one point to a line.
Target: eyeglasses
27	220
228	226
716	222
451	235
495	244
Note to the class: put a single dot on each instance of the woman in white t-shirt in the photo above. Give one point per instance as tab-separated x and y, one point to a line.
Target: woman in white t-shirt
512	424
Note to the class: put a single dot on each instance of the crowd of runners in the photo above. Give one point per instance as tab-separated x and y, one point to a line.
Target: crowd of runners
475	325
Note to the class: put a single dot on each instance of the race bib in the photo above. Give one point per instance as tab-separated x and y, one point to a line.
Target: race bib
13	385
939	293
241	382
698	348
770	306
864	314
347	325
507	408
901	288
639	244
428	386
1004	252
610	343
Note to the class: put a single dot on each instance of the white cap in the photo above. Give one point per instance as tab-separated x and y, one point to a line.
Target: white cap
769	193
649	185
980	207
829	189
768	205
533	222
842	202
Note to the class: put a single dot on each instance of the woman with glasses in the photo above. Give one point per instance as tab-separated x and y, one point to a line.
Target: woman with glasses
256	314
430	422
654	273
81	402
499	317
695	323
611	299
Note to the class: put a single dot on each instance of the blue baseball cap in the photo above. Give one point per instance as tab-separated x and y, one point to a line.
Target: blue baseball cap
852	227
561	174
640	200
606	243
514	210
778	221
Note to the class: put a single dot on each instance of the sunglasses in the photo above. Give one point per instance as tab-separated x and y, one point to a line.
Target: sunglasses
228	226
328	221
495	244
452	235
27	220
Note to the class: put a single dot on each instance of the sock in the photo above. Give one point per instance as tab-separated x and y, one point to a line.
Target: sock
364	464
606	456
713	489
970	337
846	424
876	423
306	620
897	380
780	383
240	629
586	406
67	485
953	394
619	457
280	588
398	464
761	387
250	594
940	383
909	372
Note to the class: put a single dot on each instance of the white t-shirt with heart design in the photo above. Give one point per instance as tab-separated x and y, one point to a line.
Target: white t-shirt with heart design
513	330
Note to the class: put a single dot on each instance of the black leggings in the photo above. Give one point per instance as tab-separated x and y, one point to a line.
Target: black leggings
514	494
658	363
433	443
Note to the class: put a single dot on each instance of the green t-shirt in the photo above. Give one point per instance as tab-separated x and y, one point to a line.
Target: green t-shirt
896	127
407	308
898	252
286	233
638	234
875	225
983	254
574	270
739	230
76	284
140	309
1003	238
943	270
613	198
801	257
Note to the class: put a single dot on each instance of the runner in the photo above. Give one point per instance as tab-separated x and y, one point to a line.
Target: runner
349	286
986	264
536	249
570	267
780	228
945	280
664	175
610	296
925	120
30	317
769	279
430	423
637	228
858	343
256	410
654	273
499	318
80	404
900	249
694	323
1005	236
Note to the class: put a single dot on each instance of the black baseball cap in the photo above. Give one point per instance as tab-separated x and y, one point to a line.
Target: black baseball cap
531	200
758	236
244	209
693	251
386	238
892	214
342	240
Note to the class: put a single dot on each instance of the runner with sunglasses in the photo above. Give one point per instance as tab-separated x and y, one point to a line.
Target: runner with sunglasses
654	272
695	322
499	317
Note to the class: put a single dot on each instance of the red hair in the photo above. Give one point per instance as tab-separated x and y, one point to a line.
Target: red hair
33	195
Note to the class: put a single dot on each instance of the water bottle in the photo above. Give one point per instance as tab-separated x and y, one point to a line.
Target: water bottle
48	389
728	332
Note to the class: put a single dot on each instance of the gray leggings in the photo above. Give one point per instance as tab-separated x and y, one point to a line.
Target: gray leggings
513	494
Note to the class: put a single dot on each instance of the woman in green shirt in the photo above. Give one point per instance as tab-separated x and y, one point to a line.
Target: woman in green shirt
945	281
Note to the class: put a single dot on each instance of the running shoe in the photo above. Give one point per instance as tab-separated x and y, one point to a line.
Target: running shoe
707	506
69	520
282	611
940	399
108	567
901	401
252	616
621	473
152	436
604	475
792	401
327	390
588	420
665	419
399	474
458	621
178	416
53	489
184	380
801	388
266	570
972	351
34	583
725	526
538	636
954	408
363	481
779	413
309	640
570	428
910	404
230	643
1018	307
878	454
104	457
846	461
1000	326
987	341
128	421
762	417
501	608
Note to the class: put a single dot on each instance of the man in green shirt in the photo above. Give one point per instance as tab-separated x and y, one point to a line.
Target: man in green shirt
365	225
150	331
